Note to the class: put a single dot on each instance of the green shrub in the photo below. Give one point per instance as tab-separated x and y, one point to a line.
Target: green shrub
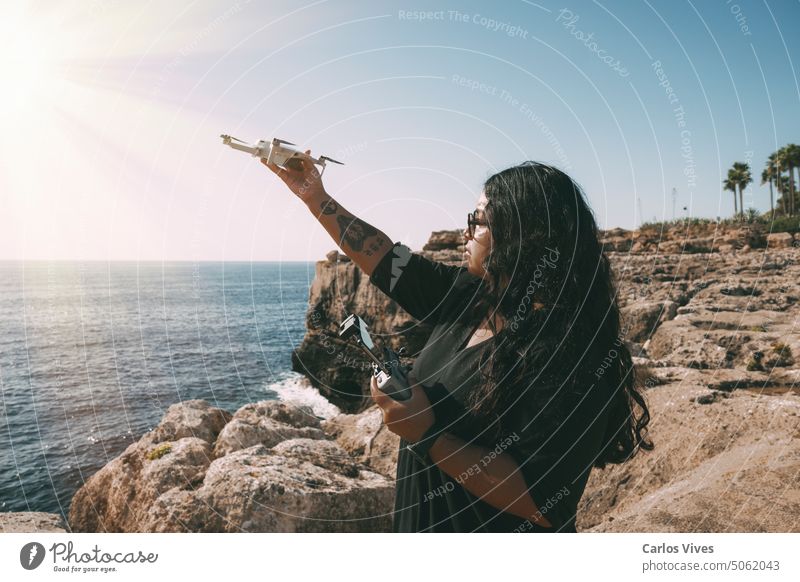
783	353
784	224
754	365
749	216
159	451
766	220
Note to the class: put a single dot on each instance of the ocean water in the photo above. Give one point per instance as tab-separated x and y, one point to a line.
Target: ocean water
93	353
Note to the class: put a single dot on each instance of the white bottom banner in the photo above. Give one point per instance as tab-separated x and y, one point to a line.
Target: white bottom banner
389	557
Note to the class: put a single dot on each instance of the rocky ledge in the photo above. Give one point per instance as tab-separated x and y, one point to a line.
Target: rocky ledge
727	459
31	522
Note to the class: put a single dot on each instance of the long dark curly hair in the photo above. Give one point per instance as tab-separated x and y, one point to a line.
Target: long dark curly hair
551	283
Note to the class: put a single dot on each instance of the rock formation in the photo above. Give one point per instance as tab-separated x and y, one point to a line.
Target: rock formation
31	522
266	468
725	460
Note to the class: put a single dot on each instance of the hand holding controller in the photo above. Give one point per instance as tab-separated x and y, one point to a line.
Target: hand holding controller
390	374
395	383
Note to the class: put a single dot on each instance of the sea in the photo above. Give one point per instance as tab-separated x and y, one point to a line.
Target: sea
92	354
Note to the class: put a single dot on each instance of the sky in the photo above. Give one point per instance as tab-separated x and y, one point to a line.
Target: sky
111	114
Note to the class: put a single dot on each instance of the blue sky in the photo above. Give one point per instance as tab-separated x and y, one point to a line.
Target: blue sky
132	98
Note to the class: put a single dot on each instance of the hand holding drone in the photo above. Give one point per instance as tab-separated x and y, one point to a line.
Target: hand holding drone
277	153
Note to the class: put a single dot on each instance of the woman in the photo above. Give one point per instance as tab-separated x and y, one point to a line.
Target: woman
525	383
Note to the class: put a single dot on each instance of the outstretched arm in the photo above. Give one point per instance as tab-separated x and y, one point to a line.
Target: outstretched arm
362	242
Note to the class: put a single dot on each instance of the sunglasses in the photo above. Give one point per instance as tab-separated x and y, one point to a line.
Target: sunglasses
473	221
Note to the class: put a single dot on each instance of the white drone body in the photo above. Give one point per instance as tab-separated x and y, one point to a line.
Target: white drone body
277	153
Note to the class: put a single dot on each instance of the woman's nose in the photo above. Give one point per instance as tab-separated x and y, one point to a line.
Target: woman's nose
465	232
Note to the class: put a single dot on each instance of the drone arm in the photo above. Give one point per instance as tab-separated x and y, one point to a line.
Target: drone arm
244	148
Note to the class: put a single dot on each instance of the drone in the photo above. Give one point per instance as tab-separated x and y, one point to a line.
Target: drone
277	153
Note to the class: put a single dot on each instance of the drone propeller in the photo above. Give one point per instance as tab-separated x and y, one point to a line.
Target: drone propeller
224	136
331	160
276	140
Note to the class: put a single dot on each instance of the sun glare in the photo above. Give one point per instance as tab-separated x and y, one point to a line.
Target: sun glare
27	65
26	72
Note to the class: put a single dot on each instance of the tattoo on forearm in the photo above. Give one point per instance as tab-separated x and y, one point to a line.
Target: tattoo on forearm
329	206
375	246
355	231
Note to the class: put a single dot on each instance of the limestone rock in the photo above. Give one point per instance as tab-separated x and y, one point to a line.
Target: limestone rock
31	522
779	240
739	471
294	484
618	240
445	240
366	438
259	490
190	418
116	497
640	320
322	453
267	423
726	339
175	455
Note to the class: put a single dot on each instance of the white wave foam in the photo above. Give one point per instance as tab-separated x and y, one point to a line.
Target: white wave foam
297	389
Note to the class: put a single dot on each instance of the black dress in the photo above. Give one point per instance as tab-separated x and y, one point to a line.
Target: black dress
429	500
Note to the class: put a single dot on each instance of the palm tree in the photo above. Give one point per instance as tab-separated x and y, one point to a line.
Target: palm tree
783	161
766	176
730	184
739	177
744	177
772	171
792	156
782	186
780	163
